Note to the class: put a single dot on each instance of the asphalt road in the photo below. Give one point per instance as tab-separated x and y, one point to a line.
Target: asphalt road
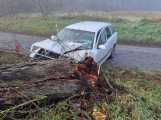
142	58
9	41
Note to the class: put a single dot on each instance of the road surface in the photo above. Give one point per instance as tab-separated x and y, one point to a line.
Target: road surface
142	58
9	41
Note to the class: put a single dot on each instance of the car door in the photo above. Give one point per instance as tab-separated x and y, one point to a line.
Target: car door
105	38
114	33
101	40
110	40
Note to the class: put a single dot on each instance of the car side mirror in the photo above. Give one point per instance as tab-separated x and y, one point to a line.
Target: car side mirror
102	47
52	37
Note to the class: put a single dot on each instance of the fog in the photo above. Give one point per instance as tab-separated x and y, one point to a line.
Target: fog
61	6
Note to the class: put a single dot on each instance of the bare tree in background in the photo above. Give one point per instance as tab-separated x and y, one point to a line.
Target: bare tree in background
44	4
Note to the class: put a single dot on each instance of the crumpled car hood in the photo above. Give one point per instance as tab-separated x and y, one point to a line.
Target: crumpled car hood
57	47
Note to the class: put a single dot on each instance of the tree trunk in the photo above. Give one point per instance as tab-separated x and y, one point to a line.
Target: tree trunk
54	79
24	74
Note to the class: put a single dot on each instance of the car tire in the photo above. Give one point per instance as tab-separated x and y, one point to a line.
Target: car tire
113	52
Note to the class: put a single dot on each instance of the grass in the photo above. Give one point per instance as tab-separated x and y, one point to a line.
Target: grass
11	58
143	101
132	27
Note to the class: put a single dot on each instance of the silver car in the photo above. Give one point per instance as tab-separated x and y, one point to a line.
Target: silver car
78	41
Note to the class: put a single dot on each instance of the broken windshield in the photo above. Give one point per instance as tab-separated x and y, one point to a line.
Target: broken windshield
76	36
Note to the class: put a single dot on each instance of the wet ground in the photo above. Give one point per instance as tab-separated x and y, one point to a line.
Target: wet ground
142	58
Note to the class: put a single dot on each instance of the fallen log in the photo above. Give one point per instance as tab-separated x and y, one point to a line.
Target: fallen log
53	79
23	74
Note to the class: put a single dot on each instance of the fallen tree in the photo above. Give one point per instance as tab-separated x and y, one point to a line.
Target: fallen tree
48	79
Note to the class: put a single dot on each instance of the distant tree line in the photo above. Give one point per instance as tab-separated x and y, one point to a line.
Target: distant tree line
51	6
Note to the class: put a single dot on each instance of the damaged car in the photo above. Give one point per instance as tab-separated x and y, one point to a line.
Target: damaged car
78	41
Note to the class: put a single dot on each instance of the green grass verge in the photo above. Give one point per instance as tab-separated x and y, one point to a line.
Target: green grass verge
9	58
141	32
144	99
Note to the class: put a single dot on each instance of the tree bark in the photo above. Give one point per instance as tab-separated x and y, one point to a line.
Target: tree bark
24	74
54	79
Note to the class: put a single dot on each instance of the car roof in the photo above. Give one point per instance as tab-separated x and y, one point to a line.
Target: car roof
91	26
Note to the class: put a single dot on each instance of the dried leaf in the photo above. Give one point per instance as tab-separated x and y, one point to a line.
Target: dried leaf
98	115
103	108
8	102
61	113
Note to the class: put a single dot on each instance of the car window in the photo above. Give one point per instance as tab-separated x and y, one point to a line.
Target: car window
108	32
102	38
77	36
112	29
98	35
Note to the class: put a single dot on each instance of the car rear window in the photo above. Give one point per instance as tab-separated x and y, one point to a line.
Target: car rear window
112	29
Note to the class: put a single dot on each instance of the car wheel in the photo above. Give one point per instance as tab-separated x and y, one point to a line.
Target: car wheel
112	52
